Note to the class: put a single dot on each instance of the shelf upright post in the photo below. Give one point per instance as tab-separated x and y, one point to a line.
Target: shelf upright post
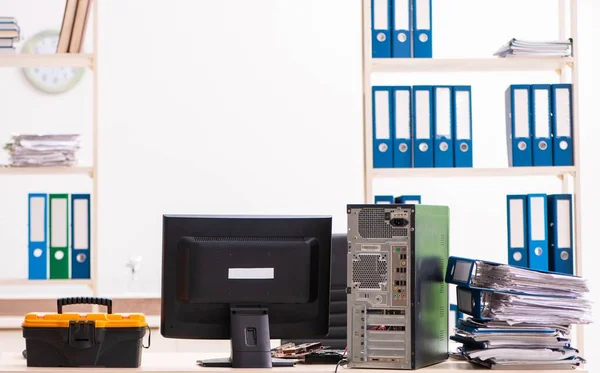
573	12
94	196
367	104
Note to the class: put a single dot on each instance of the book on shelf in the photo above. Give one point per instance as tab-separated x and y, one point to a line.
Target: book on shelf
67	26
74	26
10	33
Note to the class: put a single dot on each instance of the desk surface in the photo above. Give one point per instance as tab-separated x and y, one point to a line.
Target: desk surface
186	362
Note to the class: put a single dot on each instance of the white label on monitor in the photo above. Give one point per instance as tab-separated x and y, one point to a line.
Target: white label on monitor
251	273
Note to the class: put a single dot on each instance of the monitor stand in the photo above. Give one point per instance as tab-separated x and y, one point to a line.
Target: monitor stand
250	341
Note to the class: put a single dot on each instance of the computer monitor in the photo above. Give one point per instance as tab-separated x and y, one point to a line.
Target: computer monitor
249	279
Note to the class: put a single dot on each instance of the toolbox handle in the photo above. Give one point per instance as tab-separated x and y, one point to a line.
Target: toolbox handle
60	302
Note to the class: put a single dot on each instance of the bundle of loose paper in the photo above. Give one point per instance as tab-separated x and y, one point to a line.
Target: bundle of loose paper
28	150
552	48
500	345
516	308
502	277
542	359
473	336
520	317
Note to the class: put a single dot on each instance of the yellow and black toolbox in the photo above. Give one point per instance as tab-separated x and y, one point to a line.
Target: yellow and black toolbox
84	340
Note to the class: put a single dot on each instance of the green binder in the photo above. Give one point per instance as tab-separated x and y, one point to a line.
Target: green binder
59	236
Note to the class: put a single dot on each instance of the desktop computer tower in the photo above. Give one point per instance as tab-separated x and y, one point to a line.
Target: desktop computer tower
397	297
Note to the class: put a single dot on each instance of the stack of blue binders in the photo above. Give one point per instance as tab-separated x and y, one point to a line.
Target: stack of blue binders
539	125
401	29
540	232
422	126
389	200
520	318
59	236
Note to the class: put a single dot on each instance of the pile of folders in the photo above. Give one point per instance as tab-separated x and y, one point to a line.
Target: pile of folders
59	236
422	126
401	29
539	125
540	231
389	200
520	318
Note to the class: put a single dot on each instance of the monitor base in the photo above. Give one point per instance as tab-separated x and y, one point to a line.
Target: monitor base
226	363
250	341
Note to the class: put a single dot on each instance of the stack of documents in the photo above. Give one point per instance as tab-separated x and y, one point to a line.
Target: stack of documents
9	34
553	48
519	316
43	150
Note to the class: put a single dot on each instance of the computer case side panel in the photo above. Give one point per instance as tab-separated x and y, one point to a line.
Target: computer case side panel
431	237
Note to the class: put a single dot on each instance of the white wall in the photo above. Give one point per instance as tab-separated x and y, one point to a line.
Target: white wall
258	110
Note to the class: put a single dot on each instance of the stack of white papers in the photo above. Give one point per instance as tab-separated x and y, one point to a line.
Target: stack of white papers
506	278
552	48
516	309
43	150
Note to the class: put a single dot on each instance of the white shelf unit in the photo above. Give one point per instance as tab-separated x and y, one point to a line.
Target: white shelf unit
77	170
561	65
83	60
442	65
47	60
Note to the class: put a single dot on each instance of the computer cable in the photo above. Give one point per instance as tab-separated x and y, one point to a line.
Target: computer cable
340	363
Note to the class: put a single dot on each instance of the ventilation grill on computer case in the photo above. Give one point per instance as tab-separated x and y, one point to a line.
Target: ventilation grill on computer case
369	271
372	224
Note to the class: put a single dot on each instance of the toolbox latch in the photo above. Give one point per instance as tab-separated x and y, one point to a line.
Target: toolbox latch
82	334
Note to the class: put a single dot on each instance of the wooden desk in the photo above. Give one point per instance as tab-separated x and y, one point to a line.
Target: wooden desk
186	362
